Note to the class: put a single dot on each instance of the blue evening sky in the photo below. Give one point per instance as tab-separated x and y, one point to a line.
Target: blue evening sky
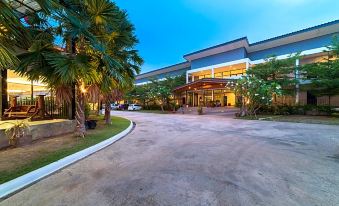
169	29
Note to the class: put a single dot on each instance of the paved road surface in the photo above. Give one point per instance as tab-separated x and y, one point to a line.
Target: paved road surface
201	160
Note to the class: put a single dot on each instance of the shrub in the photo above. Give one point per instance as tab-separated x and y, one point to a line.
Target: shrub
16	131
87	110
200	111
296	110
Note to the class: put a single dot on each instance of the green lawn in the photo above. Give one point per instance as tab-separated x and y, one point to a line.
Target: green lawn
46	157
297	118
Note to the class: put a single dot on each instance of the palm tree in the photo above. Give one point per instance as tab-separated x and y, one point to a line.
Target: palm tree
111	26
12	34
99	51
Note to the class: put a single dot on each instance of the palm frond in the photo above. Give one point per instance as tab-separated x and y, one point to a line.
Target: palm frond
8	57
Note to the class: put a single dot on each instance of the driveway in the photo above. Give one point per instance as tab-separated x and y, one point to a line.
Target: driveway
201	160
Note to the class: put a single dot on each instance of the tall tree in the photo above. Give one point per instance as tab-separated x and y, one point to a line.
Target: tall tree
255	93
157	91
99	50
280	71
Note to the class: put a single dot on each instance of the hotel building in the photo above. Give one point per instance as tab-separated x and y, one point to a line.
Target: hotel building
209	71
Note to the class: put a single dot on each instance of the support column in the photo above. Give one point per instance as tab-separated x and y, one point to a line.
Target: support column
212	95
32	91
186	98
247	65
14	101
297	86
41	106
3	92
212	75
203	98
193	99
186	77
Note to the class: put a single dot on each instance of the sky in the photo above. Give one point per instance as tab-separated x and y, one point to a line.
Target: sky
169	29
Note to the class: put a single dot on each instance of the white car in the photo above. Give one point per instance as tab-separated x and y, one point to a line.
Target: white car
114	106
133	107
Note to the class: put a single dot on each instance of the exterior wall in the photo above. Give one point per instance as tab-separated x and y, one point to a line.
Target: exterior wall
321	101
314	43
161	76
288	100
42	130
326	101
219	58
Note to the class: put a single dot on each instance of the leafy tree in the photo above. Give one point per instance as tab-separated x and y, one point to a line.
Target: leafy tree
255	93
324	75
157	91
162	92
141	94
280	71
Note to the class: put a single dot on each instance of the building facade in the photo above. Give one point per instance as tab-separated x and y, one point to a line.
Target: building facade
210	71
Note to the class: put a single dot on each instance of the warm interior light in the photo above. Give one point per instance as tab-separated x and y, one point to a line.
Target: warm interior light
15	91
82	88
24	81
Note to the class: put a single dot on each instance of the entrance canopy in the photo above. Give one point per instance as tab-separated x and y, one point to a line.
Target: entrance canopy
205	84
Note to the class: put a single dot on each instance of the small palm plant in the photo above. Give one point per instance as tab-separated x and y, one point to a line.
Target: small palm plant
200	111
16	131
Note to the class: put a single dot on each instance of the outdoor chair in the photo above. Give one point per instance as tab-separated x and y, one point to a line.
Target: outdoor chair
20	112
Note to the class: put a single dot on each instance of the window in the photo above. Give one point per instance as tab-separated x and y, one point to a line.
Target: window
218	75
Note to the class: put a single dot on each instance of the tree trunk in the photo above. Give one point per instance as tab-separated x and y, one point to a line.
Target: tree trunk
80	112
243	110
99	107
329	100
108	119
162	107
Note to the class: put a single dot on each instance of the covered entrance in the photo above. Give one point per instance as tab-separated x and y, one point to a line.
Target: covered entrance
207	93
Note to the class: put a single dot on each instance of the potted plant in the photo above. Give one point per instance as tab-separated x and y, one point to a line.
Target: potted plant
16	131
200	111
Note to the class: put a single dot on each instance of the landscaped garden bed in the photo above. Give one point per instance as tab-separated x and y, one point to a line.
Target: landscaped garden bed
18	161
296	118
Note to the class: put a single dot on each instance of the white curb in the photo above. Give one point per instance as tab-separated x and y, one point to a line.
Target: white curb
23	181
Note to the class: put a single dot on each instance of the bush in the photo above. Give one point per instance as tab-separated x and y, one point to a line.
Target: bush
87	110
296	110
200	111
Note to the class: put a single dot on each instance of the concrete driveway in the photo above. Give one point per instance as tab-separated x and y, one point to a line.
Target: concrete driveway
201	160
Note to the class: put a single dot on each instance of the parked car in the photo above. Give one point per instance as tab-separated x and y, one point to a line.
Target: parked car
123	107
114	106
134	107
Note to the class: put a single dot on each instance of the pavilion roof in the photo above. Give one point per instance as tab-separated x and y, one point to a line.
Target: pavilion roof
206	83
24	7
